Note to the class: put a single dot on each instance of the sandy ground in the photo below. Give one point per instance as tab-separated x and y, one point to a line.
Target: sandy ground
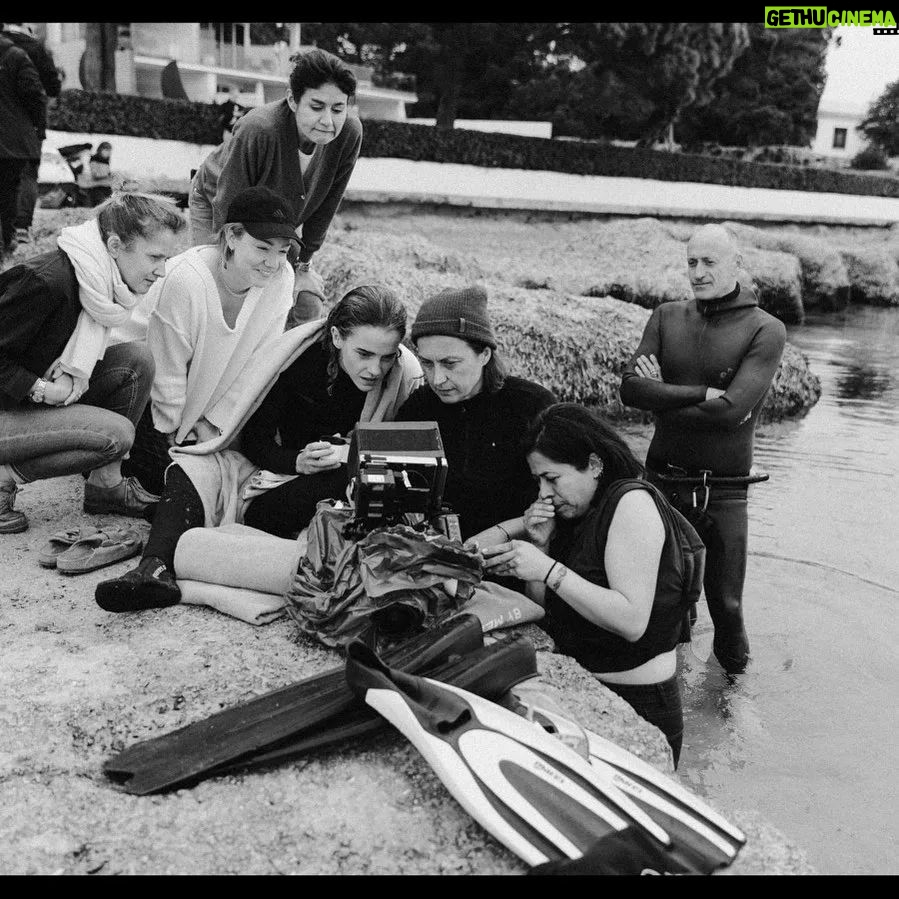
79	684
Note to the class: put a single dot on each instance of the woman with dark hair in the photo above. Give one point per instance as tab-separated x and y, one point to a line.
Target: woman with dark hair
598	548
352	369
303	147
482	413
70	394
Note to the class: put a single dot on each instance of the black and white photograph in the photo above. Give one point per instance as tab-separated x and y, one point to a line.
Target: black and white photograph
450	448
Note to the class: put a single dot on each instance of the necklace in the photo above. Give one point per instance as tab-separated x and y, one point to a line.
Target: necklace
236	293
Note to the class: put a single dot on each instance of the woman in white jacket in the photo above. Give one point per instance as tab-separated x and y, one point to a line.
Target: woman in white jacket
218	308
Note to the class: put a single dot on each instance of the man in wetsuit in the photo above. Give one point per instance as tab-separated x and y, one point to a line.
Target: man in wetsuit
703	368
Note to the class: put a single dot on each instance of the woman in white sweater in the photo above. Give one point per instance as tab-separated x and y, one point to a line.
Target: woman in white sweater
217	308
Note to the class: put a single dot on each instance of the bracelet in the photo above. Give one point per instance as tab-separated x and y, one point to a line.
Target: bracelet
38	391
503	530
303	266
548	573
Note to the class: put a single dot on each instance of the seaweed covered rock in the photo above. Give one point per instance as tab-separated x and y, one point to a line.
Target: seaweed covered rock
873	275
825	280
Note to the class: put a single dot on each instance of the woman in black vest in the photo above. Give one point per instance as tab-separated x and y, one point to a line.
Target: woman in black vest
600	550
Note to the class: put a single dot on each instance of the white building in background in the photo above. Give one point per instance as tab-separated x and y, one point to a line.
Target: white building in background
836	135
216	61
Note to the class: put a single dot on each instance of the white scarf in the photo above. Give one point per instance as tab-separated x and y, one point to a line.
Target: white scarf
106	301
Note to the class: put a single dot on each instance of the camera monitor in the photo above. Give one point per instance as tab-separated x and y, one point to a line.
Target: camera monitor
396	467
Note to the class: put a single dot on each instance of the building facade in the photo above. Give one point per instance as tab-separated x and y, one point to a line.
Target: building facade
217	61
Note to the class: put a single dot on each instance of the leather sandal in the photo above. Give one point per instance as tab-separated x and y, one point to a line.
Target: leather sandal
99	549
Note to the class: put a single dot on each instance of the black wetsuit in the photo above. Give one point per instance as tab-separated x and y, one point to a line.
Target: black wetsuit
733	345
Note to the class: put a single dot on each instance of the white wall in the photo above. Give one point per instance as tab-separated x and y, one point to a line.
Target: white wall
141	157
501	126
823	142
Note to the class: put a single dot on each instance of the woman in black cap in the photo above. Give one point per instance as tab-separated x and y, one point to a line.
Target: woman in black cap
218	307
482	412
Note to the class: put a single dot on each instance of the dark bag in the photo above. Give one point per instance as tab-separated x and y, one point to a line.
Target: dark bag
692	549
391	584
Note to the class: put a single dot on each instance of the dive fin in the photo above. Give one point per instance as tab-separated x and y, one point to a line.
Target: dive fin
490	672
703	840
192	751
538	797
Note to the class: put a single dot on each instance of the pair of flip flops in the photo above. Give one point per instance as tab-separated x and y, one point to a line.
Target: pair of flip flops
76	550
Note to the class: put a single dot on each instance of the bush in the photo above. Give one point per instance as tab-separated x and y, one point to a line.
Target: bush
106	113
871	159
422	142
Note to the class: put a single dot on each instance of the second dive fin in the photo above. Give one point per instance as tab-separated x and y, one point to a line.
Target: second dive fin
534	794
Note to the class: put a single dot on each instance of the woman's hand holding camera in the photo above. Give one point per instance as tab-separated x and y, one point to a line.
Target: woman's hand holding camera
316	457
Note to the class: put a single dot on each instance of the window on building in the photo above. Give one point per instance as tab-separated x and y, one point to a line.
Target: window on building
839	138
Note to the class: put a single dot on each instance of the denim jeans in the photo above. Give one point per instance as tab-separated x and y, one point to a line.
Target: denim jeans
43	441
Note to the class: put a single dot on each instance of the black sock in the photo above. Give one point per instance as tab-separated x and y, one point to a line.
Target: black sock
180	509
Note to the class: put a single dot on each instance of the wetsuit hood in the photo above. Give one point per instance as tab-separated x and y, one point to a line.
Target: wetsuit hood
738	298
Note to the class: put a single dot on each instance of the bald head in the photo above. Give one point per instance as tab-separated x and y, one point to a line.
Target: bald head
713	262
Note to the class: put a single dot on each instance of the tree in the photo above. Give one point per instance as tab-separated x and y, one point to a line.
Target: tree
461	68
639	77
97	67
770	96
881	125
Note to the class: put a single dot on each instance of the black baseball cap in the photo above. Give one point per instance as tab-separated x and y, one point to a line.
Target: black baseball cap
263	213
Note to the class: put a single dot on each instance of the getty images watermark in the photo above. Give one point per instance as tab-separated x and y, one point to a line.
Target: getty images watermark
822	17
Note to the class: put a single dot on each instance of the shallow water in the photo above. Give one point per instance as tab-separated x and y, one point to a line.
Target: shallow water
808	735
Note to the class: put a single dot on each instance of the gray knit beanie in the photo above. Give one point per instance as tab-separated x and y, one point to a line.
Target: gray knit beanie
456	313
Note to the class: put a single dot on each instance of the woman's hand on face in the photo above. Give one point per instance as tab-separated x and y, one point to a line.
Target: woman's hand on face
316	457
311	281
540	521
517	558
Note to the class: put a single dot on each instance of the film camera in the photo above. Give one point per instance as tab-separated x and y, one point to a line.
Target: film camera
397	474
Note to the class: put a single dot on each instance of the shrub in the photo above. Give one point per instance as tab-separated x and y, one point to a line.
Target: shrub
870	159
106	113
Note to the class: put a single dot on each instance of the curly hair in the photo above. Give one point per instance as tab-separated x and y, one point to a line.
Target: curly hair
313	68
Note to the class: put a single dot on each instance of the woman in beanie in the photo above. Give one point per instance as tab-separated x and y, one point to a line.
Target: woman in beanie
304	148
70	391
218	307
482	413
347	369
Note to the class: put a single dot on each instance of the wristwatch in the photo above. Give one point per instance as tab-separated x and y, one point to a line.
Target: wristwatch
38	391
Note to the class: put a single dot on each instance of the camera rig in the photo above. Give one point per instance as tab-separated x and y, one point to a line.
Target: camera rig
397	474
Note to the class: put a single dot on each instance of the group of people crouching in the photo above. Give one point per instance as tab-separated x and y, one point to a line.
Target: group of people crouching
171	380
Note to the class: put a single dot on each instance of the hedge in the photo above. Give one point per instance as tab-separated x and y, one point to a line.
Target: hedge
107	113
88	112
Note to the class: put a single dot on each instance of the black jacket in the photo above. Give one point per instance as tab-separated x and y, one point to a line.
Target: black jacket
39	308
23	104
42	59
488	480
